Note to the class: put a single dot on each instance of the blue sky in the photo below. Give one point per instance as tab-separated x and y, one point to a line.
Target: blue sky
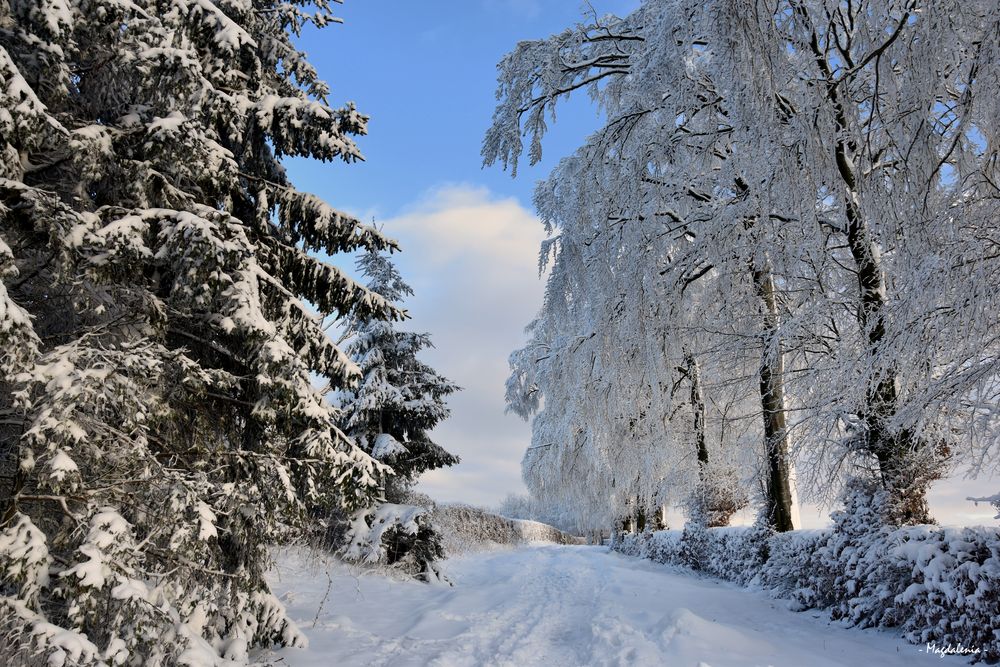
426	74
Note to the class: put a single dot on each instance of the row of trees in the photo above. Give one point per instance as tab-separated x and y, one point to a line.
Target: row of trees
781	246
164	357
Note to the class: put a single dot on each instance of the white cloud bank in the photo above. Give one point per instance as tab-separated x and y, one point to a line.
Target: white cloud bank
471	259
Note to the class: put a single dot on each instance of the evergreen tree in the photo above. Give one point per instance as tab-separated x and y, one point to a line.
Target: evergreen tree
161	323
400	399
390	415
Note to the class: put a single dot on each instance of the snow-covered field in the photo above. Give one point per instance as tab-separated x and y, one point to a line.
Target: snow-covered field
562	605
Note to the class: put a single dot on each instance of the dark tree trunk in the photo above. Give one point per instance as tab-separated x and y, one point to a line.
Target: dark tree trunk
716	497
660	518
772	399
895	452
698	408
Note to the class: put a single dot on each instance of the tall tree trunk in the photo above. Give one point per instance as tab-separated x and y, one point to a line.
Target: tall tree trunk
772	399
715	495
894	452
698	408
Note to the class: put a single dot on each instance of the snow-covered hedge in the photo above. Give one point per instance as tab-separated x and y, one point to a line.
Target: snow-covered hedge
935	584
465	528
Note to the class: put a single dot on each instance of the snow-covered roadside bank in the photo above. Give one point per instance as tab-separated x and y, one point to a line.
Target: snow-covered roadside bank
563	605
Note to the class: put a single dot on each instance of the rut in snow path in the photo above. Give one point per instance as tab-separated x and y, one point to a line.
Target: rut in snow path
563	605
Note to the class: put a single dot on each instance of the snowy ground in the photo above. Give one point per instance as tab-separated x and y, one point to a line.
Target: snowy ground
563	605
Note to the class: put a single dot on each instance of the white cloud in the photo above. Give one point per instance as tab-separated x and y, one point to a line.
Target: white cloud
470	258
452	221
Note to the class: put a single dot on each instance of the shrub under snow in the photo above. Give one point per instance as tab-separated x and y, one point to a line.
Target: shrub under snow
465	529
935	584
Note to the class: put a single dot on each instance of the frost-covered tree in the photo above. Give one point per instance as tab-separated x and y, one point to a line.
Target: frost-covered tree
390	415
601	440
631	258
162	322
823	171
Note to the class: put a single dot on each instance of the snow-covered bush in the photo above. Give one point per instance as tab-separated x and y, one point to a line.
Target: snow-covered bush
732	553
694	539
529	508
399	536
465	528
934	584
853	572
536	531
955	593
737	554
661	546
789	566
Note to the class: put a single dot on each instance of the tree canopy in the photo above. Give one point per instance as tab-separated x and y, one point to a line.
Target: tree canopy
803	195
162	317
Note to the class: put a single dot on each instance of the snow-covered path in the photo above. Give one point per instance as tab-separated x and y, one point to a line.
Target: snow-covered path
565	605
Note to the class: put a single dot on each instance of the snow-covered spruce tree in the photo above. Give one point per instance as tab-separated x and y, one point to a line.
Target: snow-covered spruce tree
161	323
840	156
390	415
